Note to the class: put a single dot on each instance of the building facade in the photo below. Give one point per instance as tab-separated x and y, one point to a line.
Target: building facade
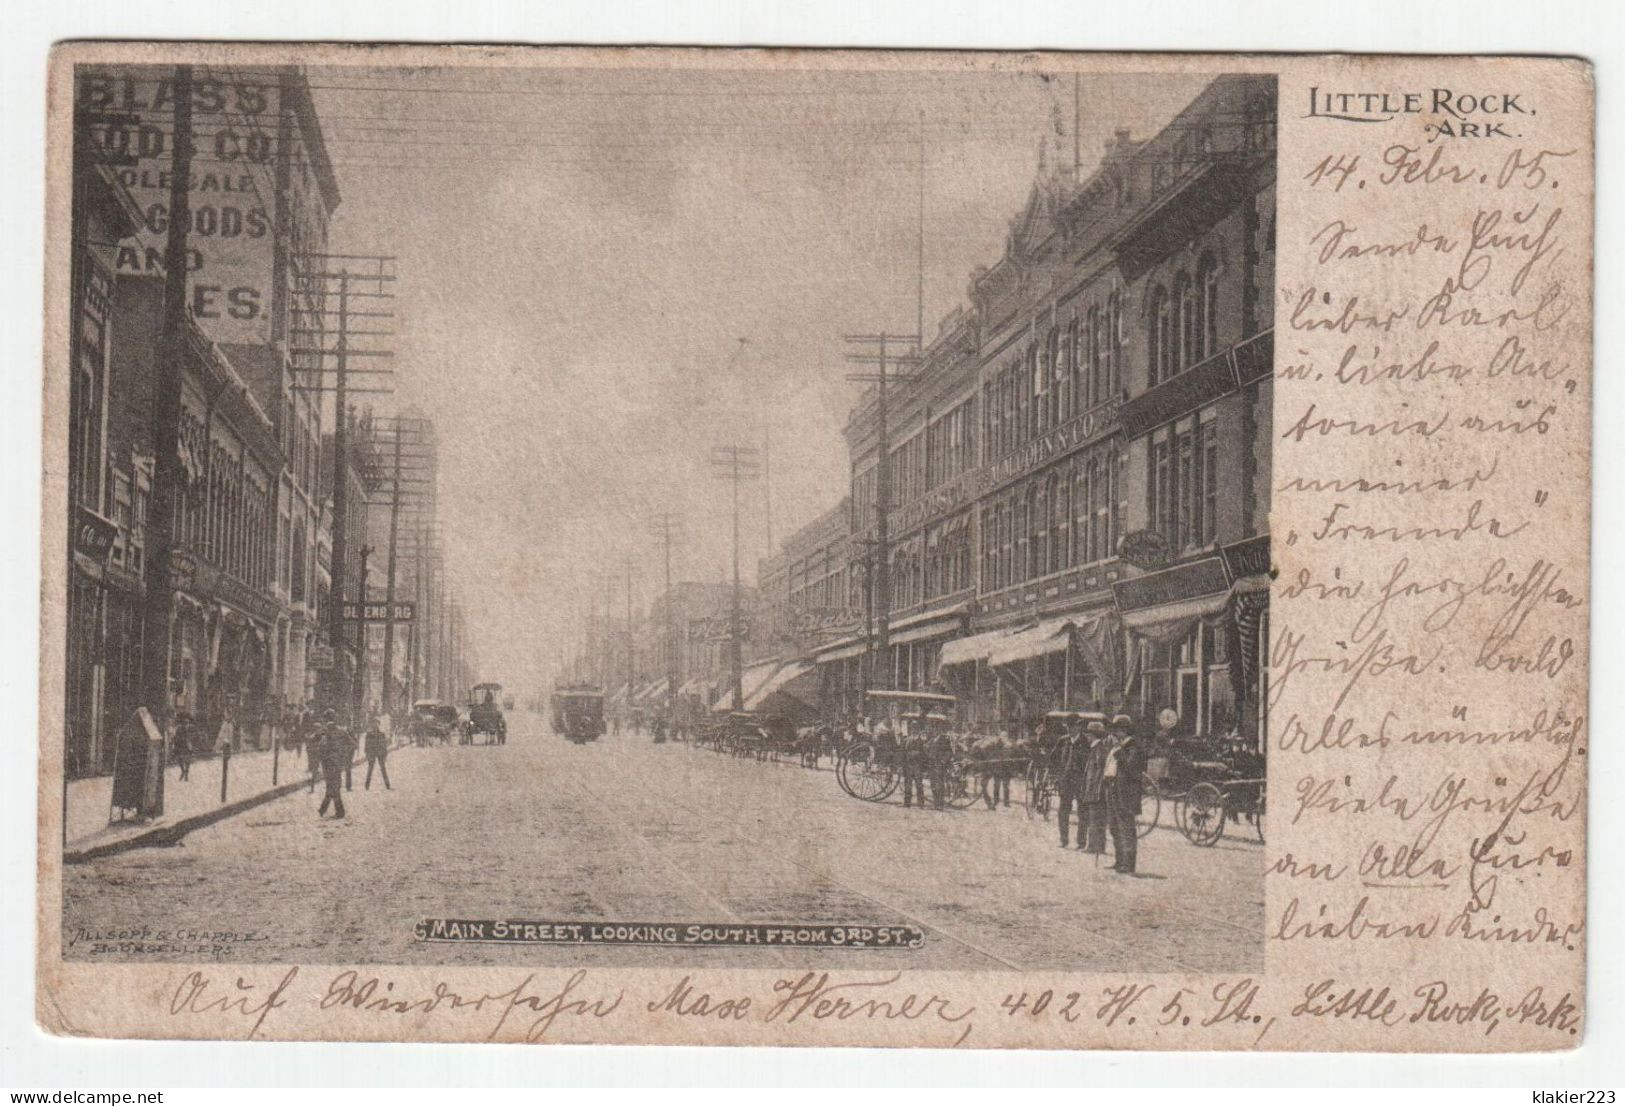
1079	460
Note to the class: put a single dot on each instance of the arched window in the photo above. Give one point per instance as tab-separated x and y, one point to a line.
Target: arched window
1040	549
1207	278
1091	346
1159	335
1080	511
1060	401
1065	555
1185	306
1074	388
1114	345
1022	525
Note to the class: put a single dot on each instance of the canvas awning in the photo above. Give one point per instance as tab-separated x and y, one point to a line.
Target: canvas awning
750	680
969	650
1050	636
1180	610
841	650
650	692
790	680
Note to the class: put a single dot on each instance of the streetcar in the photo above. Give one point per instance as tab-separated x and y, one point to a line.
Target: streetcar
578	713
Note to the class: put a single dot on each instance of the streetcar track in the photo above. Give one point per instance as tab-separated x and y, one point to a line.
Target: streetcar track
1028	867
856	892
1069	927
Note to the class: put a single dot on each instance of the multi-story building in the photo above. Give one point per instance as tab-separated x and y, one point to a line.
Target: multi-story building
106	509
226	611
262	193
1079	461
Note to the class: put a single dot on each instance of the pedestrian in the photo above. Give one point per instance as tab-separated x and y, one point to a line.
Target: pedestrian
939	754
314	732
181	744
1070	758
335	758
1124	777
377	747
1093	816
226	740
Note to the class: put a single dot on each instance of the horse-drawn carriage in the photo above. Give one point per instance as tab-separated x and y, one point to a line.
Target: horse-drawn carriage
432	721
914	727
1211	782
485	717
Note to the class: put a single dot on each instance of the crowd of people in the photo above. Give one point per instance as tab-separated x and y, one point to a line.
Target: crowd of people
1093	763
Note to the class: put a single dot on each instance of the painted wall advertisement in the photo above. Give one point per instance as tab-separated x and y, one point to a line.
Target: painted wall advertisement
233	187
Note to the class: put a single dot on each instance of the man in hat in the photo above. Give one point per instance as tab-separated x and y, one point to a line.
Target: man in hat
1071	756
335	758
1124	777
377	749
1092	804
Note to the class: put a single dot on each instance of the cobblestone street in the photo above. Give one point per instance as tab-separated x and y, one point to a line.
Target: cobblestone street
628	831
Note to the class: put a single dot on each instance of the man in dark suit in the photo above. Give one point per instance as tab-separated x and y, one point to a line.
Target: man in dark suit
1125	788
1071	760
336	753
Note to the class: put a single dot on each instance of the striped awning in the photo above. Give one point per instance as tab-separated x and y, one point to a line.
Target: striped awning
1050	636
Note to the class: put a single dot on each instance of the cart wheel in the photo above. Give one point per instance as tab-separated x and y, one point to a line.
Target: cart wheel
962	784
1150	808
1039	795
1204	815
863	775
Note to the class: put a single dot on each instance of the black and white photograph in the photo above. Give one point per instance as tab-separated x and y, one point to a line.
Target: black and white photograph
665	516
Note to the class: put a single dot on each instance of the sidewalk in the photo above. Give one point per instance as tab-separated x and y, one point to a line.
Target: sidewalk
188	803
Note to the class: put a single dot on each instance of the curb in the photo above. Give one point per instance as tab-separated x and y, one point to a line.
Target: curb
171	834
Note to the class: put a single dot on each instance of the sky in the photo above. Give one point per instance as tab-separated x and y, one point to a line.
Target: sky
604	274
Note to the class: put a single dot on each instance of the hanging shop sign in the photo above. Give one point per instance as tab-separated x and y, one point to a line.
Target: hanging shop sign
1145	549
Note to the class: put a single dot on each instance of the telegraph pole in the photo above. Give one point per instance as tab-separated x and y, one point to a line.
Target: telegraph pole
356	277
631	653
166	475
880	574
736	463
663	526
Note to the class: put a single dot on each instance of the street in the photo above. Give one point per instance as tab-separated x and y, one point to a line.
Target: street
628	831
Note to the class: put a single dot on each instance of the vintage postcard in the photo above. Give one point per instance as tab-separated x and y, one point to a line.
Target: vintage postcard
816	548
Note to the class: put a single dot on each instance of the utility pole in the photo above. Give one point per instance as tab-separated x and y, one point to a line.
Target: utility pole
880	550
663	527
358	692
357	277
409	476
631	650
159	602
767	486
736	463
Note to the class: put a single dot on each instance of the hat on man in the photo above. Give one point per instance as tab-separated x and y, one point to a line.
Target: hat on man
1122	720
1096	726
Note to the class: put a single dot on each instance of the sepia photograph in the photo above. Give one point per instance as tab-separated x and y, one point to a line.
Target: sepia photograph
666	516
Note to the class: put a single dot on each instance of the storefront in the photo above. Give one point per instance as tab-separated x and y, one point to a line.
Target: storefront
1197	634
220	649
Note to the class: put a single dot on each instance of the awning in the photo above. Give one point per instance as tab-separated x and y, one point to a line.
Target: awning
750	681
699	685
1051	636
940	627
650	692
969	650
845	649
784	682
1178	611
927	625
